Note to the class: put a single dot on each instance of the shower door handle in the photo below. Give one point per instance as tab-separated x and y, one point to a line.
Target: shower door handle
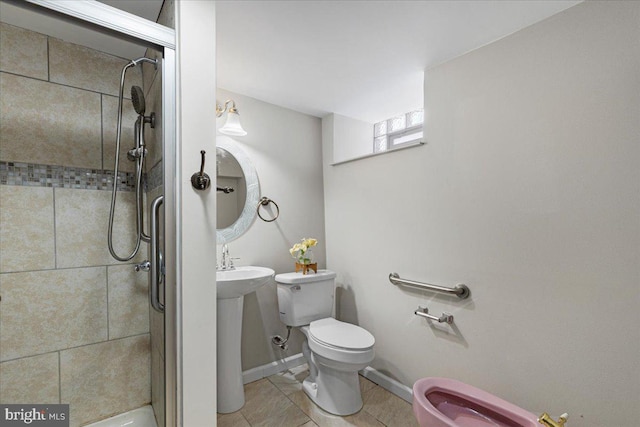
155	276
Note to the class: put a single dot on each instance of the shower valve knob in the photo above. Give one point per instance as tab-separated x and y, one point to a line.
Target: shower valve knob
143	266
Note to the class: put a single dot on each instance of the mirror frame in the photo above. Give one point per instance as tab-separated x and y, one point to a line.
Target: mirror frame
249	213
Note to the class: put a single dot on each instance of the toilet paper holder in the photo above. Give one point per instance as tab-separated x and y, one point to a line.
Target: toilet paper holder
424	312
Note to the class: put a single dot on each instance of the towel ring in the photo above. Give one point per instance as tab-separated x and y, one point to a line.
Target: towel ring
264	201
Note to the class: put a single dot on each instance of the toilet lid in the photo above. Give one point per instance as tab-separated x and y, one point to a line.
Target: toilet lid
340	334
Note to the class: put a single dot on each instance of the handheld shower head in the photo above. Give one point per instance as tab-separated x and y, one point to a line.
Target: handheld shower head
137	98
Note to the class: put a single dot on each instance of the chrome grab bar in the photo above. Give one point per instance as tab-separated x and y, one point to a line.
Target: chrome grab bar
156	269
461	291
424	312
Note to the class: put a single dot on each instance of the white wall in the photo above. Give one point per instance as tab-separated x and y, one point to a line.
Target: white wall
352	138
195	31
285	148
528	191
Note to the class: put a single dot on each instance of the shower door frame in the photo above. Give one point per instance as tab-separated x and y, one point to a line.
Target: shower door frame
113	21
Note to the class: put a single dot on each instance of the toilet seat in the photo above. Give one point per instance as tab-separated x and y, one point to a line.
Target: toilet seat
341	345
340	335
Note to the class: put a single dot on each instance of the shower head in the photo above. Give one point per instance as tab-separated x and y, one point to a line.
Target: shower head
137	98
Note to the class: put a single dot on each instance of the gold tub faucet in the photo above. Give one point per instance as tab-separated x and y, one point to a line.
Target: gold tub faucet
546	420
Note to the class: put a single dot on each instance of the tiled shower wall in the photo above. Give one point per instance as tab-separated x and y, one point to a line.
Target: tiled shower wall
74	323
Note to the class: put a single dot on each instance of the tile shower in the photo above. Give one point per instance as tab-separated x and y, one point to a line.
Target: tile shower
75	325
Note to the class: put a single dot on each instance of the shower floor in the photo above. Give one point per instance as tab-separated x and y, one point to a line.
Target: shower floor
141	417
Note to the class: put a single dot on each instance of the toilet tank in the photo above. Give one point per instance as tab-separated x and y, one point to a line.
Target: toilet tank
303	298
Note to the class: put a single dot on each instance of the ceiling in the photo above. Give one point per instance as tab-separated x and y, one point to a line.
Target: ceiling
362	59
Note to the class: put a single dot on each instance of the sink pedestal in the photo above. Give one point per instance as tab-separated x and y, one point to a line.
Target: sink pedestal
229	366
231	287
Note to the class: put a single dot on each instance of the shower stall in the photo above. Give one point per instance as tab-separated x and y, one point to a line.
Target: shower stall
86	139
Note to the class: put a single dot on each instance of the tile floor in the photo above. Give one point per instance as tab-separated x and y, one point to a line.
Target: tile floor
278	401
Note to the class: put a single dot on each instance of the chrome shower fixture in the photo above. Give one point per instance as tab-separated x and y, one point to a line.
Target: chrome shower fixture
137	99
139	104
135	62
136	154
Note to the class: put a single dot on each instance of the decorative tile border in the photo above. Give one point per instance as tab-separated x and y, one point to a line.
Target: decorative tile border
35	175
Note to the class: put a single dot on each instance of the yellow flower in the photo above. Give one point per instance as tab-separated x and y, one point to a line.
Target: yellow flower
299	249
309	242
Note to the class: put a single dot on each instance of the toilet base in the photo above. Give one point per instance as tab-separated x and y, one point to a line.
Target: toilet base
344	397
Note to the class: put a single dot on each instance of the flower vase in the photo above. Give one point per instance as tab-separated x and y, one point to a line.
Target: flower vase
304	262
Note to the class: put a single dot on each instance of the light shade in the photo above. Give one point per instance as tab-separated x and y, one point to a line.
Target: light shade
232	126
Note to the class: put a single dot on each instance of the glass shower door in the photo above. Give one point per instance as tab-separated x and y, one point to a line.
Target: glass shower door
76	325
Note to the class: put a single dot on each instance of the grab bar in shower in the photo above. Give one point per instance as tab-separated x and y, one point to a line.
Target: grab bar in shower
461	291
156	268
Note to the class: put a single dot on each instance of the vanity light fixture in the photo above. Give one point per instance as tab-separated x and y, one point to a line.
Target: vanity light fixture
232	126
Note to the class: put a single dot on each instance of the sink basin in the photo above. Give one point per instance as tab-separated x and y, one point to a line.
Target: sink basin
241	281
232	286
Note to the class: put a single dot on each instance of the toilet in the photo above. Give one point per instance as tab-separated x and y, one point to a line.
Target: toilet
334	350
444	402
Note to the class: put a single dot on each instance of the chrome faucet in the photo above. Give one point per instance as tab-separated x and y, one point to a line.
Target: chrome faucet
227	261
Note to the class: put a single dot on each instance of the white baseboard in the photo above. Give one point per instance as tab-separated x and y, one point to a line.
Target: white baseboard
388	383
280	365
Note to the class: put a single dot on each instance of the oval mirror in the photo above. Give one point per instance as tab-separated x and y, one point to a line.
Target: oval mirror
238	191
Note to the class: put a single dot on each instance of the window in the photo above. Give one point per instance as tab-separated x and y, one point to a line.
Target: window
398	131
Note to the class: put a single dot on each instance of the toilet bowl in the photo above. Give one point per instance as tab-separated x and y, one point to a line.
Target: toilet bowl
443	402
335	351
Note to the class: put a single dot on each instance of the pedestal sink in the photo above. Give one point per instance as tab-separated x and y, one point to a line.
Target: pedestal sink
232	286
